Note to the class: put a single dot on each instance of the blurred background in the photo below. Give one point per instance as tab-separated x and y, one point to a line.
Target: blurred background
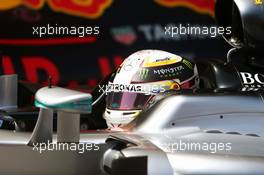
125	27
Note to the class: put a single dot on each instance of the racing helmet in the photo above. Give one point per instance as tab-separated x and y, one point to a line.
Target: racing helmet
140	78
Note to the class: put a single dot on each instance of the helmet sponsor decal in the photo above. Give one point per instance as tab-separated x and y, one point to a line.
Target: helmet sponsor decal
124	88
137	88
188	63
143	73
171	85
131	63
162	61
169	71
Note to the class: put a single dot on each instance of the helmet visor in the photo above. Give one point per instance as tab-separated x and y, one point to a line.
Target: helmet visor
127	100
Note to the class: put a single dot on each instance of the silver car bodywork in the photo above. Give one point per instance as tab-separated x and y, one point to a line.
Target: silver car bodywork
198	119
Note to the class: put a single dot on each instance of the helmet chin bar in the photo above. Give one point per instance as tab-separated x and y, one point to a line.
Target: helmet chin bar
68	104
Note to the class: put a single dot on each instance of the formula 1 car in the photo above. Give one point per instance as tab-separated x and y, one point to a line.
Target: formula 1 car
216	130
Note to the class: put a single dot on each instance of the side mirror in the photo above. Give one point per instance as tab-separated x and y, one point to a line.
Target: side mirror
68	104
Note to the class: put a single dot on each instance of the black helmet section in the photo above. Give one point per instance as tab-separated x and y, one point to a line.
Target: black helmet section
246	17
182	71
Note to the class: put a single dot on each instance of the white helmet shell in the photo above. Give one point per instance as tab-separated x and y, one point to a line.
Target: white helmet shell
134	62
142	75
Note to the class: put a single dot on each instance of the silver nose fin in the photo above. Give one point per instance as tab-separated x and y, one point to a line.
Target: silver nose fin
68	104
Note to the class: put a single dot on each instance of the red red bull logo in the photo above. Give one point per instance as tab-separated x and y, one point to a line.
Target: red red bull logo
83	8
200	6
